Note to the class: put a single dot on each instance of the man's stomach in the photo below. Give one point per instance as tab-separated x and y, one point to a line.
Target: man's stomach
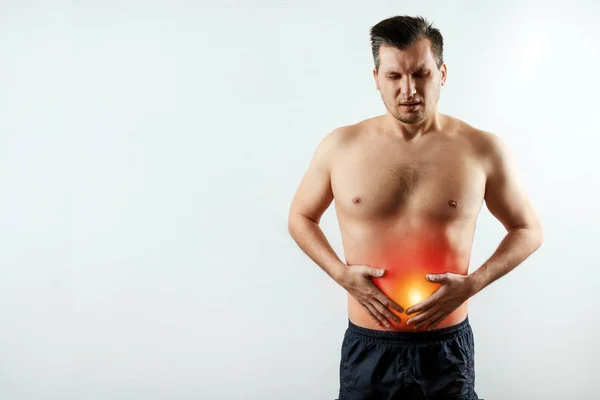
406	263
360	316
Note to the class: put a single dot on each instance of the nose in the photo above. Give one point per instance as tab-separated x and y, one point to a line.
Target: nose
408	88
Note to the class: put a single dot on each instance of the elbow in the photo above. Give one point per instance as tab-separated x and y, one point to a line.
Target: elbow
291	224
298	221
293	220
534	233
291	228
538	235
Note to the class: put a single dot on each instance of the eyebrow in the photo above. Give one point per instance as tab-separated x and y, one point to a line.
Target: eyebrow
422	67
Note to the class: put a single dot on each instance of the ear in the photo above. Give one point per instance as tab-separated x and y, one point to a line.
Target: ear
444	71
376	81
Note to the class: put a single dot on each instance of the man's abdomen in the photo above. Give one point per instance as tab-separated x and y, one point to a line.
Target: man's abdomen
405	282
360	316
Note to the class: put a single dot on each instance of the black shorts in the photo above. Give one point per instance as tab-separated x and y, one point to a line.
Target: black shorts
387	365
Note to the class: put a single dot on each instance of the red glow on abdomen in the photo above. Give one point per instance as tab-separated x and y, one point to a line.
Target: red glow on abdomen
407	286
406	265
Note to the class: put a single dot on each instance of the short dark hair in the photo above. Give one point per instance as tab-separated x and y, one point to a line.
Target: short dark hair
402	32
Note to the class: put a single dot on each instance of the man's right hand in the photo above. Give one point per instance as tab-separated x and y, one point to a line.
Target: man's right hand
357	281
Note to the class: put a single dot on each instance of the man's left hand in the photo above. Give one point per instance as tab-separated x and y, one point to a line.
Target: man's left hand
455	290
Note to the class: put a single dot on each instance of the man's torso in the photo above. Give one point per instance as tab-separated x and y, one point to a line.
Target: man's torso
409	207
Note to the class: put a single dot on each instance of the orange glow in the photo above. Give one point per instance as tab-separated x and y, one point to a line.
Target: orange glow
407	257
406	289
415	296
406	263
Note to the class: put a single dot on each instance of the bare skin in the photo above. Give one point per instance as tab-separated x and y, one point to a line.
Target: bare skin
408	187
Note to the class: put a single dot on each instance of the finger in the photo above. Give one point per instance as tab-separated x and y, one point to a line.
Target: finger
375	272
373	317
384	310
379	311
437	321
428	321
425	304
420	307
424	316
389	303
375	314
439	278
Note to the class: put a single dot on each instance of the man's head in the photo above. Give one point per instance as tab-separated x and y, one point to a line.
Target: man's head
409	66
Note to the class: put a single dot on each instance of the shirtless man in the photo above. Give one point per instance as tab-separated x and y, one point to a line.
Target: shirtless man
408	187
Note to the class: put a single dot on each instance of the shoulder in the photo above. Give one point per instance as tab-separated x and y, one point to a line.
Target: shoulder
329	148
489	148
342	136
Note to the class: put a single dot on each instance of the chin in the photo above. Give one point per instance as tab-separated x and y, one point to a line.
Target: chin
410	119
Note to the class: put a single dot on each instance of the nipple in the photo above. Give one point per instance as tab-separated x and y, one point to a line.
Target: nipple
356	200
452	203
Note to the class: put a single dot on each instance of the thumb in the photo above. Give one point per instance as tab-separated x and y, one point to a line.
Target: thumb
437	277
375	272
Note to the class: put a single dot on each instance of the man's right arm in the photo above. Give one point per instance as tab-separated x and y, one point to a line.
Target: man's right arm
313	196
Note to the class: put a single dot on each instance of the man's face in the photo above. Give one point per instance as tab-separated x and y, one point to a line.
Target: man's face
409	76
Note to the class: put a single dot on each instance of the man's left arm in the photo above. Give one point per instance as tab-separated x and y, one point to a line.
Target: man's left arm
506	200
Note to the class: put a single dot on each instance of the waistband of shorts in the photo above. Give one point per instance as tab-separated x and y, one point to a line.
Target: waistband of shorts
410	337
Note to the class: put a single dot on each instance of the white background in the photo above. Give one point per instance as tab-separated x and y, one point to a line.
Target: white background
149	152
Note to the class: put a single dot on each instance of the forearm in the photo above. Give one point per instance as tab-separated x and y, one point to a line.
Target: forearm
517	245
311	239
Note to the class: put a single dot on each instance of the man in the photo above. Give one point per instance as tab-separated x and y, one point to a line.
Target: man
408	187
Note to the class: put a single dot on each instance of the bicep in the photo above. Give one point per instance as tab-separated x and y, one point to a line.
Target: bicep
505	197
314	194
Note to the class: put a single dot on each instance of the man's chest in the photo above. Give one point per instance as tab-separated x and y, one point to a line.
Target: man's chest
443	184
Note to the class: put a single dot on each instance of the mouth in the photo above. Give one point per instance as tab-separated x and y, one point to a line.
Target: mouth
410	106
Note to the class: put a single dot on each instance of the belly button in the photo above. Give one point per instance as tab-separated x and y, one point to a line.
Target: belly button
452	203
